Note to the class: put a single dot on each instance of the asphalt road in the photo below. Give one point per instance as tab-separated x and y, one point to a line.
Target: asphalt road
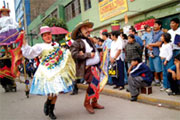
15	106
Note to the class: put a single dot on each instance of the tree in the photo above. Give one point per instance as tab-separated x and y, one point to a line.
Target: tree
55	22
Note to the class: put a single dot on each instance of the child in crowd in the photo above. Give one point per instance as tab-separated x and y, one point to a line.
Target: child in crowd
132	49
100	48
100	42
124	39
139	76
147	39
95	41
166	53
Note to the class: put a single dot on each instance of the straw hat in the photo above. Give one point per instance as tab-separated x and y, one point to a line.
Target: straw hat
78	26
44	29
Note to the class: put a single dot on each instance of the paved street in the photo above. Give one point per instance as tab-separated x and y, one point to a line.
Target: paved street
15	106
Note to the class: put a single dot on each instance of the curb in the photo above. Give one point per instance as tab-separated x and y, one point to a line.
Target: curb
141	98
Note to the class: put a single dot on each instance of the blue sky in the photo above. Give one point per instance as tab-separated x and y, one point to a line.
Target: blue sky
11	6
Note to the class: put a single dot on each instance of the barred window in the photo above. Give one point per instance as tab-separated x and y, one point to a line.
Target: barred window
72	10
54	13
87	4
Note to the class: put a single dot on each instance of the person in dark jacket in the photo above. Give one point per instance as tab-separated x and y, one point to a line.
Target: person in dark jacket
84	54
140	75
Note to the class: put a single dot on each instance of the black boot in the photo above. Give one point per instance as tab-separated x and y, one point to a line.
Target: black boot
75	89
6	88
46	107
51	113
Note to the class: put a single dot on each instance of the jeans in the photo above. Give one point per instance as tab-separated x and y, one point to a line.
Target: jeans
155	64
175	87
166	83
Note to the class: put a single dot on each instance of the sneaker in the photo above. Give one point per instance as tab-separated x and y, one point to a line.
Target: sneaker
162	89
161	86
171	93
168	90
156	83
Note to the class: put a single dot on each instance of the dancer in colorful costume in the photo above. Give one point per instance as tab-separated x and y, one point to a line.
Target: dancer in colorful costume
8	29
8	35
86	57
55	71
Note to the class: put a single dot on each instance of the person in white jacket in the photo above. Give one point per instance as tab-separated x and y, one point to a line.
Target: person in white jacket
55	72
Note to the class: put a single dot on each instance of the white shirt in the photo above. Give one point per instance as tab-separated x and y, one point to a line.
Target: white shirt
166	51
91	61
36	50
87	46
115	46
173	34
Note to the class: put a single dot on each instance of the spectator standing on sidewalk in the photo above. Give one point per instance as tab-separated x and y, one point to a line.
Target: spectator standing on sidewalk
166	54
175	29
107	45
132	50
117	56
154	60
132	30
124	39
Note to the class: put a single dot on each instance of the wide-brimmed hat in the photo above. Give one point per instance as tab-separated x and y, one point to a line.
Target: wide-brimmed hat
78	26
44	29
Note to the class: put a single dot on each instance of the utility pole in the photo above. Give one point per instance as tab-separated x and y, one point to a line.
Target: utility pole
25	22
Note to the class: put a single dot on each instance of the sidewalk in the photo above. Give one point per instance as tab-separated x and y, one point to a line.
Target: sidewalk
158	98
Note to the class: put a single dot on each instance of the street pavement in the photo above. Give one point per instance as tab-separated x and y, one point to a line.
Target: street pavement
15	106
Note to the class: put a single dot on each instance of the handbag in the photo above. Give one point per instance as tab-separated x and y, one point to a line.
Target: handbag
113	69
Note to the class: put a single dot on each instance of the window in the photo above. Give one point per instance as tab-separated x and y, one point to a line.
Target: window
45	19
54	13
87	4
72	10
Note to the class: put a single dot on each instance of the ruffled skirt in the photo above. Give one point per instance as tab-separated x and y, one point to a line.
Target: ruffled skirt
44	87
8	37
54	78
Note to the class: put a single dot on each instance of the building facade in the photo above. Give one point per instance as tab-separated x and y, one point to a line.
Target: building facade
104	12
39	6
19	12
